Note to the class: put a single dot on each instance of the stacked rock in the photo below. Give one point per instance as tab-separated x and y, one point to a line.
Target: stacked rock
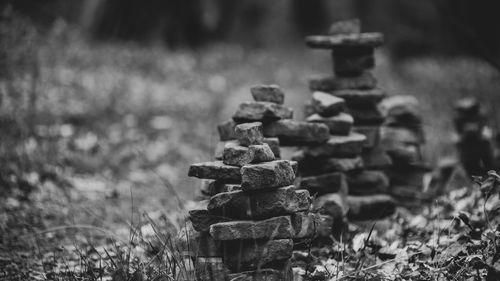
402	137
353	148
255	212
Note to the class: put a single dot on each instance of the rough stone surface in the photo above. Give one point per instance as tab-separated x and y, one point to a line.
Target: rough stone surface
226	130
372	134
340	124
370	207
273	228
345	27
261	111
247	255
352	61
327	105
202	220
374	39
215	170
243	205
262	275
305	225
213	187
367	182
274	144
338	146
261	153
197	244
210	269
249	133
366	115
310	166
236	155
326	183
268	93
328	84
292	132
267	175
357	98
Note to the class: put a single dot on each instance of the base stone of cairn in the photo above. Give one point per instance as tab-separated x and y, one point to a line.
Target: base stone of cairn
255	215
346	172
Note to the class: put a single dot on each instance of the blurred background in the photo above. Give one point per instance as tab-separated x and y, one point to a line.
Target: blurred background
115	99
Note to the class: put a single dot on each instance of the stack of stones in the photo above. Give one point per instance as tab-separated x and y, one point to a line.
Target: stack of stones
254	214
474	142
353	149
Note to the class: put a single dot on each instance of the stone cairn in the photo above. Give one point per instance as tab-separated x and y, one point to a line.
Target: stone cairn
255	214
347	102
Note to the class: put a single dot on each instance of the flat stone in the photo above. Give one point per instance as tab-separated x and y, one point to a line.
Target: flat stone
340	124
338	146
310	166
292	132
263	275
242	255
243	205
249	133
210	269
273	228
262	153
370	207
197	244
367	182
411	175
372	134
305	225
274	144
325	183
213	187
356	98
328	84
366	115
394	136
236	155
261	111
327	105
267	175
376	158
373	39
268	93
215	170
468	107
402	111
404	154
202	219
352	61
226	130
345	27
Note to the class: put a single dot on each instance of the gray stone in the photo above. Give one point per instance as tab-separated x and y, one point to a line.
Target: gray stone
243	205
261	111
268	93
334	206
366	115
197	244
262	153
310	166
305	225
308	108
202	219
249	133
210	269
226	130
327	105
273	228
263	275
376	158
354	39
345	27
328	84
360	98
324	226
367	182
372	134
326	183
242	255
215	170
292	132
267	175
219	150
352	61
274	144
402	111
340	124
370	207
213	187
338	146
236	155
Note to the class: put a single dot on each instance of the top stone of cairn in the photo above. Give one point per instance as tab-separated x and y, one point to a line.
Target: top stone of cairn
345	33
268	93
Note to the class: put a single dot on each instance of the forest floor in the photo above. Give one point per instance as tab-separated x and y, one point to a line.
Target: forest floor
96	141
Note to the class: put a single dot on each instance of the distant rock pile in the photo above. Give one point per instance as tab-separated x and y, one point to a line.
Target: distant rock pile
346	171
255	214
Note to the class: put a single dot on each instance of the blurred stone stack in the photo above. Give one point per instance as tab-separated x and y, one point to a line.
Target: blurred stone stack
247	230
352	157
402	137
